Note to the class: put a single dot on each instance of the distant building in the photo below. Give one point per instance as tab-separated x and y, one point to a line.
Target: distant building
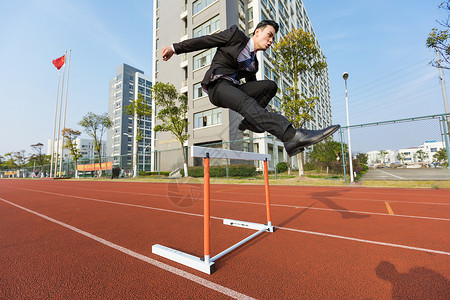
124	88
381	157
86	147
427	151
407	156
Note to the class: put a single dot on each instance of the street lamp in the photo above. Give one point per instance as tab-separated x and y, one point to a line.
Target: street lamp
345	76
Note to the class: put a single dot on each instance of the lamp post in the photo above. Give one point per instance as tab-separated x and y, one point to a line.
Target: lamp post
345	76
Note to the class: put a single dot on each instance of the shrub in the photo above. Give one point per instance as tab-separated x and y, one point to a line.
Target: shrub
282	167
143	173
221	171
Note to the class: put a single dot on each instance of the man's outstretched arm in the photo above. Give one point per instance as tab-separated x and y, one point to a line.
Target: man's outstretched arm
199	43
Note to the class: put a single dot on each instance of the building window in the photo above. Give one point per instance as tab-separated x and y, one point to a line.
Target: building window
208	27
208	118
204	58
201	4
198	91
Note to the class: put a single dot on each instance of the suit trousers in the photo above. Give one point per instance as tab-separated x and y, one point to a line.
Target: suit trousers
250	100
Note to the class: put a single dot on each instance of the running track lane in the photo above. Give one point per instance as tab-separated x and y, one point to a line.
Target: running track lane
285	264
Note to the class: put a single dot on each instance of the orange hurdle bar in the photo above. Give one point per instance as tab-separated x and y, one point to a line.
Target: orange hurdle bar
266	183
206	213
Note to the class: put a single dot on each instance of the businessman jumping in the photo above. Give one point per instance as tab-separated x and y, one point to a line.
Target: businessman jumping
235	59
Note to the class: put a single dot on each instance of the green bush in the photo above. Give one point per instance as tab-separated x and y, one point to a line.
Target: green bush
282	167
221	171
143	173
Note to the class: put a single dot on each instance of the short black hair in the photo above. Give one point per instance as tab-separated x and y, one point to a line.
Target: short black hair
264	23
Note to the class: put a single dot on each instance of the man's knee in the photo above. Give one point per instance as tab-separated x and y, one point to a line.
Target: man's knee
271	86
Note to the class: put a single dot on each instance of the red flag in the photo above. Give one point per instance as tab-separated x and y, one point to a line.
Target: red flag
59	62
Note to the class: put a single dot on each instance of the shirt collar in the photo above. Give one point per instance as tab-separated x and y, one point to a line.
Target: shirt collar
251	45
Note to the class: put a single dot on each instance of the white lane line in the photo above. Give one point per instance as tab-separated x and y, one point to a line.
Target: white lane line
206	283
283	228
391	174
239	202
367	241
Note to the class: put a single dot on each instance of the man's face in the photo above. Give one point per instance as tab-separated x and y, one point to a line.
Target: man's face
264	37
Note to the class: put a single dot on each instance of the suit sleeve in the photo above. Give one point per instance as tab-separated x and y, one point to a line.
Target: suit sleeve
205	42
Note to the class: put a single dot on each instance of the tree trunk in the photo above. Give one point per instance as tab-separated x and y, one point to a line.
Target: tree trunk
185	165
300	164
135	160
99	164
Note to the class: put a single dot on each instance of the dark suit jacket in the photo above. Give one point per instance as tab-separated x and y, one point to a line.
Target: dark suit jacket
230	43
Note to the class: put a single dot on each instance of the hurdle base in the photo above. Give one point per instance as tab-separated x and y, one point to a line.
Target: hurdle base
184	259
249	225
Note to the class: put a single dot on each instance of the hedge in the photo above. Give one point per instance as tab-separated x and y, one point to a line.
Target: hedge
143	173
242	170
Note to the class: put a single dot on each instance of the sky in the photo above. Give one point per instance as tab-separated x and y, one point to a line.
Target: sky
380	43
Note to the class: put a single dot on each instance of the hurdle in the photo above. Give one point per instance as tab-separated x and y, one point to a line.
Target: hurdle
206	264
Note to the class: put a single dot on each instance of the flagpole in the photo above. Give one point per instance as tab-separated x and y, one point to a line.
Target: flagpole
54	125
60	113
65	109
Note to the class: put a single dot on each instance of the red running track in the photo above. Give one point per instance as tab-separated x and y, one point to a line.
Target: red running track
88	239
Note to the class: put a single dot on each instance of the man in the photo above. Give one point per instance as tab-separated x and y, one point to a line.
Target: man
235	59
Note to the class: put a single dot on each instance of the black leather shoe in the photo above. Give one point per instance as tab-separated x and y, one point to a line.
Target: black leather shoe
304	138
247	125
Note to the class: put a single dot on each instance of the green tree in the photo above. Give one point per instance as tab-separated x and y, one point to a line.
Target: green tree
383	154
362	158
401	157
421	155
441	155
297	57
71	136
38	157
326	153
139	109
95	126
20	158
10	162
172	112
439	39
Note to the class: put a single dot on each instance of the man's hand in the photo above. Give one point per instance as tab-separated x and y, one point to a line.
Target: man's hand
167	53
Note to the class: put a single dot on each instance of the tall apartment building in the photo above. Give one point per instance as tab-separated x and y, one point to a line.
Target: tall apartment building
177	20
124	88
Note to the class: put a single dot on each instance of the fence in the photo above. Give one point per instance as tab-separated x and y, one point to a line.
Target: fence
405	149
402	149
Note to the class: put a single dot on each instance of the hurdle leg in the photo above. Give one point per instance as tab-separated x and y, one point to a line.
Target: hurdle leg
266	185
206	212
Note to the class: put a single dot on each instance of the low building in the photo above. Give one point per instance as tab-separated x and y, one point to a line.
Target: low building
86	147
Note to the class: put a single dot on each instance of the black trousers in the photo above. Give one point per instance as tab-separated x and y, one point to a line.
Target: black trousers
250	100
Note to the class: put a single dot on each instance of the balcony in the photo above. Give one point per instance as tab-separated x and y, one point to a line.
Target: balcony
184	12
184	35
184	61
184	87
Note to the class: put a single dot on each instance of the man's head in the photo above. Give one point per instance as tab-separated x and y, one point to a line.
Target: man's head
264	34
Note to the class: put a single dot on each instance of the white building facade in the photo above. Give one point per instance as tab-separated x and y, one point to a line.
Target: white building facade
177	20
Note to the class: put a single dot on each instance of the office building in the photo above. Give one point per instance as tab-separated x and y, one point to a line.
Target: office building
177	20
124	88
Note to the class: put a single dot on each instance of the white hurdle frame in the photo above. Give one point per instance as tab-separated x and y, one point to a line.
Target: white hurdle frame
206	264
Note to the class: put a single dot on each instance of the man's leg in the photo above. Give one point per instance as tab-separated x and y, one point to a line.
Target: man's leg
262	91
225	94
